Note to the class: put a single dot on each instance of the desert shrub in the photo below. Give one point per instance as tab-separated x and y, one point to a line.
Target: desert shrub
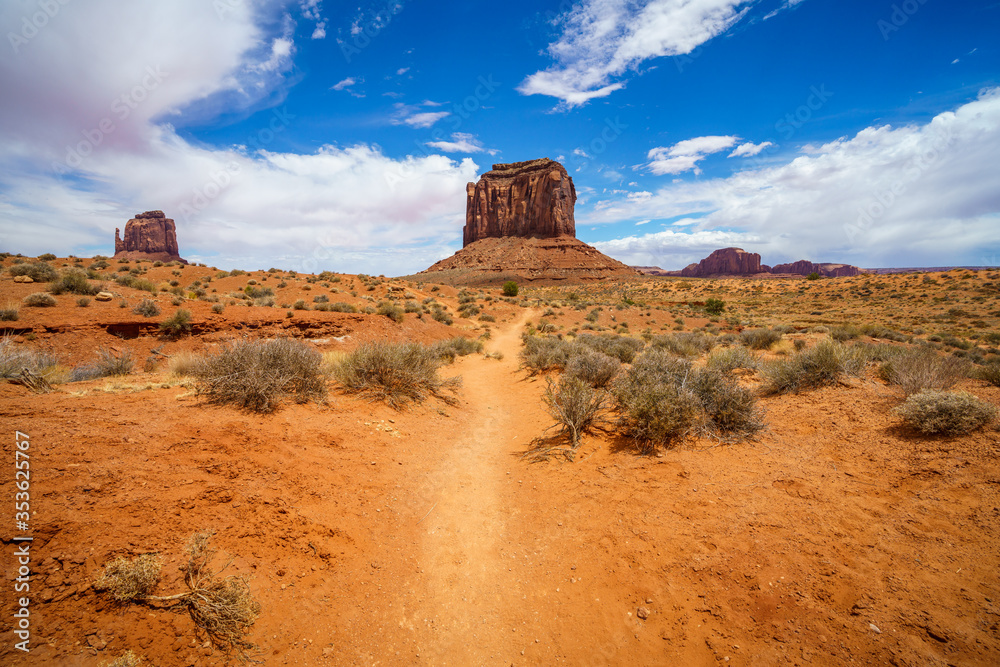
126	659
622	348
258	292
177	324
544	326
690	344
258	375
845	332
411	307
393	372
73	281
575	405
595	368
715	306
98	265
14	360
510	288
813	276
146	308
487	318
654	403
543	353
989	373
47	257
946	412
9	313
729	408
40	272
108	364
441	315
459	346
728	359
218	308
821	365
130	579
83	302
391	310
341	307
300	305
593	315
759	339
917	369
39	300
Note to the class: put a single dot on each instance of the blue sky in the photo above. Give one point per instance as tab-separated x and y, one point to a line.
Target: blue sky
318	135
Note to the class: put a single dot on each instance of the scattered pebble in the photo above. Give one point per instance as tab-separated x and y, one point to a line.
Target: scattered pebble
874	628
642	613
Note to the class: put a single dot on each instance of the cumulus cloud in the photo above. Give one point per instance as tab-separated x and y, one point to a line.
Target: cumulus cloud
602	40
750	149
922	195
82	149
673	250
461	143
685	155
311	11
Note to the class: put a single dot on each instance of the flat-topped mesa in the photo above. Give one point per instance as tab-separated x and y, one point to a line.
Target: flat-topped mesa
727	261
804	267
150	235
524	199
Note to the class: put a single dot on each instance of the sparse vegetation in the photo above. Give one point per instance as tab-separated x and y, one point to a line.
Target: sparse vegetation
575	405
823	364
9	313
760	339
177	324
510	288
595	368
391	310
946	412
108	364
917	369
394	372
728	359
714	306
40	272
257	375
146	308
73	281
459	346
39	300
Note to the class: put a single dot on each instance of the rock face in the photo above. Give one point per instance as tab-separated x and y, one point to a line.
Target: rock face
727	261
521	199
804	267
150	235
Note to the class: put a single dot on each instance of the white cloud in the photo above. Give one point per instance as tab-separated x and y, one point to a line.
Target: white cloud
412	115
311	11
402	70
915	195
671	249
461	143
344	83
75	166
685	155
579	152
602	40
750	149
642	222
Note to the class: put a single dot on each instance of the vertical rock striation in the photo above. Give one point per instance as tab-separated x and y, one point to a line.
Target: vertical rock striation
150	235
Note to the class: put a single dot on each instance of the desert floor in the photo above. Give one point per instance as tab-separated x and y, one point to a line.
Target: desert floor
376	536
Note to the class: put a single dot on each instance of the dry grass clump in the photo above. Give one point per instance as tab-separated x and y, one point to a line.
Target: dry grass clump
257	375
622	348
15	360
575	405
821	365
131	579
917	369
108	364
687	344
728	359
394	372
10	312
39	300
459	346
391	310
760	339
126	659
184	364
595	368
73	281
146	308
177	324
544	353
989	373
946	412
731	410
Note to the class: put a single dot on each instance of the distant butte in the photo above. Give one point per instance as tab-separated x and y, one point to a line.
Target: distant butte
150	235
519	225
738	262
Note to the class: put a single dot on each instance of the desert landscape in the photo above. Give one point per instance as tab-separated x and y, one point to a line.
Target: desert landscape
660	332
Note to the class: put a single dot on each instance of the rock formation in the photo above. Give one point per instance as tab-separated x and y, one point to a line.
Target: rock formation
727	261
523	199
519	226
150	235
804	267
738	262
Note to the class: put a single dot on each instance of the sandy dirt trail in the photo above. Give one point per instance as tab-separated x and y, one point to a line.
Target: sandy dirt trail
467	604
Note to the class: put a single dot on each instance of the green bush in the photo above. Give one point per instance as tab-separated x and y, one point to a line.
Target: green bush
391	310
47	257
146	308
760	339
813	276
39	300
40	272
946	412
714	306
73	281
177	324
510	288
394	372
821	365
258	375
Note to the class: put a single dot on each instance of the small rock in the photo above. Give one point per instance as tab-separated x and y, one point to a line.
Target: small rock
874	628
104	296
649	600
642	613
23	279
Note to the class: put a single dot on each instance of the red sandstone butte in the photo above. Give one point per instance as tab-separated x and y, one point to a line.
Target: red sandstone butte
150	235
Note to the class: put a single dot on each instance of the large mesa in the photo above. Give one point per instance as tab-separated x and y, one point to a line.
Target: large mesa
532	199
150	235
